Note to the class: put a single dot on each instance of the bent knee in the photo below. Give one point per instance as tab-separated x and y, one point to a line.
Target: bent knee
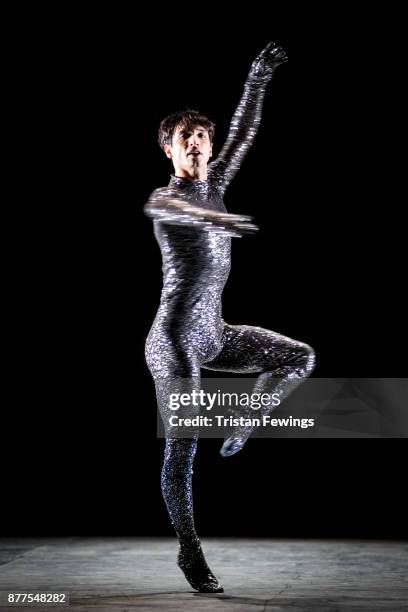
307	357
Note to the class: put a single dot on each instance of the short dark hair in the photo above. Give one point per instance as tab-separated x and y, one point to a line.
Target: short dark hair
187	119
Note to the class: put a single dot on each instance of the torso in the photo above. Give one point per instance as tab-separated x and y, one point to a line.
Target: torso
196	266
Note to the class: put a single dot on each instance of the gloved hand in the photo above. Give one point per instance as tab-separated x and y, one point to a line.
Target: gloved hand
265	64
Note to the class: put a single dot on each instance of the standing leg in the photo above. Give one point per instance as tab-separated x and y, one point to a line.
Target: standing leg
177	491
176	476
283	364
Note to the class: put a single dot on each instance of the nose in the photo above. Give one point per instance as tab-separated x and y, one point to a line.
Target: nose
193	140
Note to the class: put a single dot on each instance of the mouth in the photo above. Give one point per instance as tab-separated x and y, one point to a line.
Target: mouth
194	153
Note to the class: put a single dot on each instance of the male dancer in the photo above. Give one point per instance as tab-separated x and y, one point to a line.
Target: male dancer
194	233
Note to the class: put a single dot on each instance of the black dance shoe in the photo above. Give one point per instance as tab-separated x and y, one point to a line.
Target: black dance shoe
192	563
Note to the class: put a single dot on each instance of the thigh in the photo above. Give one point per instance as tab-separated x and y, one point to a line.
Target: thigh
247	349
176	374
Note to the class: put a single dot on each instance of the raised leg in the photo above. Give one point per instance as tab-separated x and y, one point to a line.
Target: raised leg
283	364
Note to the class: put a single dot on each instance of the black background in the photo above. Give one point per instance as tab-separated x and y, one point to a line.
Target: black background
82	455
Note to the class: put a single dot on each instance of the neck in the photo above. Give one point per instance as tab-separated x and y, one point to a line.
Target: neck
196	173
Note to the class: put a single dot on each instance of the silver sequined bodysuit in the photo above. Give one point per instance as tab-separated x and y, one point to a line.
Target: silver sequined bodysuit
196	265
189	332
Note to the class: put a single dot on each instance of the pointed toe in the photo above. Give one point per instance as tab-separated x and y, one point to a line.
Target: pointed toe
232	445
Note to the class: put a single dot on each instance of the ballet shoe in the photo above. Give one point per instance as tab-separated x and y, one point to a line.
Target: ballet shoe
192	563
232	445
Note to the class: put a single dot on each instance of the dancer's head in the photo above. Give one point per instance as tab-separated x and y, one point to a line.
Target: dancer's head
186	138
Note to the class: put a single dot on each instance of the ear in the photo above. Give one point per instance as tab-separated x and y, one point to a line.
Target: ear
211	151
167	150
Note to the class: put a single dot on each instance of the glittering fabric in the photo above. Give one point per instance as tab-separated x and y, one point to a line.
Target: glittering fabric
194	230
178	495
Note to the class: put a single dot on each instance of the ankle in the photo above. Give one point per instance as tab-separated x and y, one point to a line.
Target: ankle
189	544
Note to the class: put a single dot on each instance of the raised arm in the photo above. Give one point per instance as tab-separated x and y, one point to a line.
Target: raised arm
247	117
167	205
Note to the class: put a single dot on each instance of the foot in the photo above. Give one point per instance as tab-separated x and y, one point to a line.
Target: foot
192	563
232	445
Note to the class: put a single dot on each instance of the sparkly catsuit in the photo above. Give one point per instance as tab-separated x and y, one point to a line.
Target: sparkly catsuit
189	332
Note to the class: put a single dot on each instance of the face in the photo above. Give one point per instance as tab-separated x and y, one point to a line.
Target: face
189	148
